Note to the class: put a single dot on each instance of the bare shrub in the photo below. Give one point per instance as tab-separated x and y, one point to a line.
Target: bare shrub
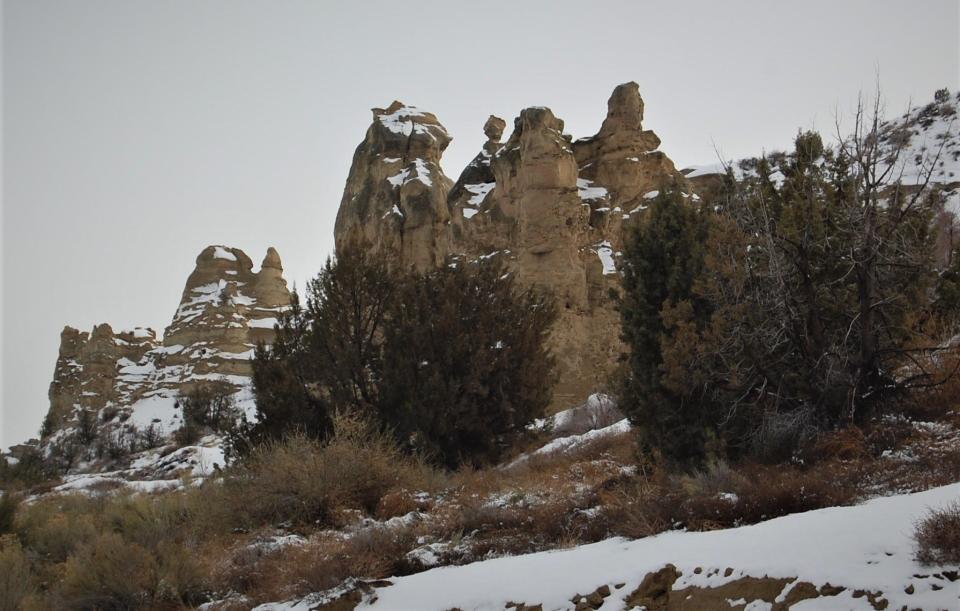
56	528
108	574
16	579
938	536
781	433
302	480
721	497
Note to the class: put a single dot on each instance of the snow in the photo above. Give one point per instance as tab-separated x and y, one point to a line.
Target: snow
158	410
139	332
588	192
98	482
417	170
479	191
397	179
651	195
423	173
197	460
574	442
399	121
469	213
219	252
707	170
605	252
395	211
866	547
262	323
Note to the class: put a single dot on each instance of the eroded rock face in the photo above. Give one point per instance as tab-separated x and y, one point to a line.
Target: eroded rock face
395	199
85	376
225	309
553	208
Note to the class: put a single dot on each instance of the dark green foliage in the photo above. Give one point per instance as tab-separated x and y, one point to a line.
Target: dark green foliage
663	257
349	304
286	395
464	361
452	361
796	304
8	509
30	469
86	427
208	407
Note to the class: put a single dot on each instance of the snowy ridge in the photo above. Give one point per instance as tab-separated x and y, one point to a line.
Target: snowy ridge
923	141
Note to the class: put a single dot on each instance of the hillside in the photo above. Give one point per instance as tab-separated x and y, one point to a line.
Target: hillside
181	472
857	557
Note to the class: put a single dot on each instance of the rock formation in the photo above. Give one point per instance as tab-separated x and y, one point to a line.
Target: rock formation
396	193
553	208
85	376
225	309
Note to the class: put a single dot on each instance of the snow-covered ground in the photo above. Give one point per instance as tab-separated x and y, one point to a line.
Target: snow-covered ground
867	547
155	470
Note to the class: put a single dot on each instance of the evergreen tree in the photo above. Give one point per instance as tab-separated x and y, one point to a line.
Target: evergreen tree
453	361
663	257
465	361
285	390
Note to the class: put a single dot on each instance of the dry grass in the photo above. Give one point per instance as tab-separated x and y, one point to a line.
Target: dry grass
301	481
177	549
17	582
722	497
938	536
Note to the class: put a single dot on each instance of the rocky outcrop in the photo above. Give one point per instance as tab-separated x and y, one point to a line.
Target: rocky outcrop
225	309
476	181
85	376
621	167
553	208
396	194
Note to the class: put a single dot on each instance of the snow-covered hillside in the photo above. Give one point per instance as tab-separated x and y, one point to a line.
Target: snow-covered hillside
922	142
837	558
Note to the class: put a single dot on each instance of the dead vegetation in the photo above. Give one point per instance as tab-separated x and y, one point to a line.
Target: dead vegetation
938	536
300	516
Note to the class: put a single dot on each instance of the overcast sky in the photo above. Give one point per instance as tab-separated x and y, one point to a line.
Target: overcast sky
136	133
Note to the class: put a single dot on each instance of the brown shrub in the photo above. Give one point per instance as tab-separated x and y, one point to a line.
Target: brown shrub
938	536
322	563
848	443
303	481
55	528
942	400
721	497
108	574
16	579
400	502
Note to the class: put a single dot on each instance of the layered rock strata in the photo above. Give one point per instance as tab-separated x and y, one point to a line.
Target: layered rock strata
225	309
554	208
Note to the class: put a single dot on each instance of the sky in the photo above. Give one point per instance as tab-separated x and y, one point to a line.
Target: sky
136	133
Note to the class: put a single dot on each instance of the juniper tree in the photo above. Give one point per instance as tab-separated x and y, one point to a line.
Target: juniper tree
663	257
465	361
452	361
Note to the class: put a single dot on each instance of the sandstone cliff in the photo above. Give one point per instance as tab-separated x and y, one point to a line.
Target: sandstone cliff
395	196
554	208
131	376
